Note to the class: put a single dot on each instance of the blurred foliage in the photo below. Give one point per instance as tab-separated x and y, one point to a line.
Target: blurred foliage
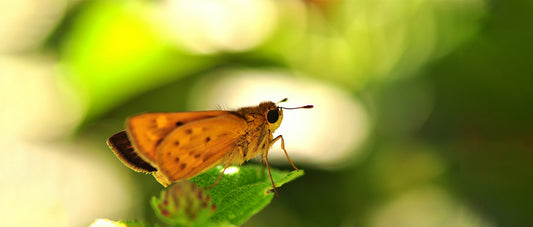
349	47
482	122
109	68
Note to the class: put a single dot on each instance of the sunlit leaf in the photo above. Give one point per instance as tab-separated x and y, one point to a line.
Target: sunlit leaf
243	191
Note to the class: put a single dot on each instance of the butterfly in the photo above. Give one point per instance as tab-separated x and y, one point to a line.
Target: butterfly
175	146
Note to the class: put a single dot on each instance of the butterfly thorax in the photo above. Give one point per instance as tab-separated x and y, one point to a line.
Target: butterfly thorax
259	131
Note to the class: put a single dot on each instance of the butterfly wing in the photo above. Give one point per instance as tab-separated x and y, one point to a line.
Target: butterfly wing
121	146
147	130
195	147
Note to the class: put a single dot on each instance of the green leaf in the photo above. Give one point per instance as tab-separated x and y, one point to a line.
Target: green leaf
243	190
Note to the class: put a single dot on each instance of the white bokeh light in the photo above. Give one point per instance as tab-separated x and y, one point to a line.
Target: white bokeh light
46	182
231	170
51	185
209	26
25	24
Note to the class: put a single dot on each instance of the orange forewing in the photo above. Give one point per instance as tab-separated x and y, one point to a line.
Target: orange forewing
195	147
147	131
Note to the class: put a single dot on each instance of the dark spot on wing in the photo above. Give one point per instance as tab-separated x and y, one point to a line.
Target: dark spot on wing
207	157
177	159
188	131
158	142
207	139
263	146
176	143
179	123
197	155
183	166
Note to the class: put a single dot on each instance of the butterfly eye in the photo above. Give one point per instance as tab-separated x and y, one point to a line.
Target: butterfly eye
272	116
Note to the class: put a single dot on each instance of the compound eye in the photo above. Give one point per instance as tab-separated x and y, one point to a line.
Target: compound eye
272	116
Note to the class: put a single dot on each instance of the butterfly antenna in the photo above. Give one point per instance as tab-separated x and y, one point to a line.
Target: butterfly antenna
300	107
293	108
283	100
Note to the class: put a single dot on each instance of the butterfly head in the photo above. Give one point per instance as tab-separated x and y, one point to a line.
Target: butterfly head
274	113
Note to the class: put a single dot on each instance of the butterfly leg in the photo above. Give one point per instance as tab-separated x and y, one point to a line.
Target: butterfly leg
270	174
283	148
225	167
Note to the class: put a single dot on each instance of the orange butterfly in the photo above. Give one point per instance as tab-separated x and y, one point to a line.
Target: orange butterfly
178	146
